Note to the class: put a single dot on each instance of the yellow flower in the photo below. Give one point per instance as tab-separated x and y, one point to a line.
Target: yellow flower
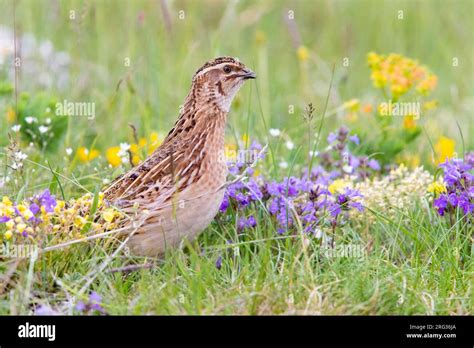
409	122
59	206
142	142
427	85
430	105
112	156
302	53
7	201
445	148
400	74
9	224
28	214
245	139
230	152
154	142
11	115
136	160
437	188
86	155
79	221
108	215
337	186
373	58
411	161
8	235
20	227
260	37
21	208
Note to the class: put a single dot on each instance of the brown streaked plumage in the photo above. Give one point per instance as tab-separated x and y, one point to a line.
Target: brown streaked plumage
178	189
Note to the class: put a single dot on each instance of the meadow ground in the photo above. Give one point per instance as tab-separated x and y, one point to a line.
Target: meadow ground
321	65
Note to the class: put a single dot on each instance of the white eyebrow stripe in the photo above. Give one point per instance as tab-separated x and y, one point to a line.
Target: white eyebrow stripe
221	65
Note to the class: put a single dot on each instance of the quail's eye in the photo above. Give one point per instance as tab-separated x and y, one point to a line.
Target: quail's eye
227	69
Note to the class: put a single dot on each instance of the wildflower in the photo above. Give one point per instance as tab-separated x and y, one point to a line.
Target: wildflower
43	129
355	139
30	119
93	304
18	158
290	145
352	105
68	151
112	156
409	122
108	215
302	53
444	148
274	132
219	262
8	235
430	105
437	188
11	115
16	128
260	37
283	164
337	186
86	155
400	74
367	108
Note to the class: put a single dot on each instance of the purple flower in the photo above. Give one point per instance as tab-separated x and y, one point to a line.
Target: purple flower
219	263
332	137
459	187
355	139
245	223
224	204
92	305
374	164
80	306
4	219
47	201
34	208
441	203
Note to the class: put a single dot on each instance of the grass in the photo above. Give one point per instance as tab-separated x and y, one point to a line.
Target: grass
415	263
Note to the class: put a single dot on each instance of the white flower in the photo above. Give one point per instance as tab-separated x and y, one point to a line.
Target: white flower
43	129
274	132
48	110
105	181
124	147
20	156
290	145
69	151
283	164
313	153
16	128
30	119
123	152
48	120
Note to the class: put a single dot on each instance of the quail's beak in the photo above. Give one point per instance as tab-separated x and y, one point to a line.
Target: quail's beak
248	74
